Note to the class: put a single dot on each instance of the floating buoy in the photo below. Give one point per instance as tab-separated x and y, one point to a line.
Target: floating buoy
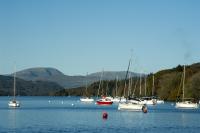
105	115
144	109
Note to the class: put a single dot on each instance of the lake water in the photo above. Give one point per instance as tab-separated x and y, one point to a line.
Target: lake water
68	114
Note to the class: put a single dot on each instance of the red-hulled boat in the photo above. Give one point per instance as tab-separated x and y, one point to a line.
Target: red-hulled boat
104	101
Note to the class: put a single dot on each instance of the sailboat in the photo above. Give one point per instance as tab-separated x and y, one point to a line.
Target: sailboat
86	98
116	98
133	98
103	100
150	100
14	103
186	103
129	105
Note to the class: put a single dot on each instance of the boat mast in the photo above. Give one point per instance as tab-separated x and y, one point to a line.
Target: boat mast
14	86
140	84
116	86
153	86
129	84
100	83
107	89
145	86
126	76
183	82
86	86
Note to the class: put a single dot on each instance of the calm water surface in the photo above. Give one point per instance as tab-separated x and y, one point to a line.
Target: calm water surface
68	114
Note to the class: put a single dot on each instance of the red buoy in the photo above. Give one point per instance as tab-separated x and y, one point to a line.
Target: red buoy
105	115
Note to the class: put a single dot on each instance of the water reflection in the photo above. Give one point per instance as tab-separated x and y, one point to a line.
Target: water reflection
12	119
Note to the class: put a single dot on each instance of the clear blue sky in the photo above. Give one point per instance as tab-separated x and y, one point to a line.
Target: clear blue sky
79	36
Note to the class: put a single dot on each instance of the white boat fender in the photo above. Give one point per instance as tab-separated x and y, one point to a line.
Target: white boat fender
144	109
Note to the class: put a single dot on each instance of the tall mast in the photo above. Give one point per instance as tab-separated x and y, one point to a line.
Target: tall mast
14	86
126	76
86	86
153	86
107	89
145	86
183	82
116	86
129	84
140	84
100	83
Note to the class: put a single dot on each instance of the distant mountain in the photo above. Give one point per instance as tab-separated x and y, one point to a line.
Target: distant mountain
27	88
54	75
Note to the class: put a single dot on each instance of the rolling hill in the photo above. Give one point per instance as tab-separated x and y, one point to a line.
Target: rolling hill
54	75
27	88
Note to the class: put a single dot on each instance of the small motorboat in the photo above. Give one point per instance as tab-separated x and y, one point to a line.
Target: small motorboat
104	101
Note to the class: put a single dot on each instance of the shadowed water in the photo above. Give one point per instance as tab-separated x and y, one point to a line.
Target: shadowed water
68	114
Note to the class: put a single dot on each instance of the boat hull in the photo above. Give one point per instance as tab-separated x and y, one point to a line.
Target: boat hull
86	99
104	102
130	106
14	104
160	102
186	105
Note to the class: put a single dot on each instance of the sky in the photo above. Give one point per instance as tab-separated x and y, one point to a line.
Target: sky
80	36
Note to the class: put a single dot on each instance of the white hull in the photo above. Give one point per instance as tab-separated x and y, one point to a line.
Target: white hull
160	101
86	99
137	102
122	99
130	106
150	102
116	99
186	105
14	104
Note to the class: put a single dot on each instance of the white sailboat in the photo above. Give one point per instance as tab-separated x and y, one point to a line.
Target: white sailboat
86	98
129	105
186	103
150	100
14	103
133	99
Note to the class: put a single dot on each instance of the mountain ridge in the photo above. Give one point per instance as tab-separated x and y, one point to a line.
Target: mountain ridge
54	75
